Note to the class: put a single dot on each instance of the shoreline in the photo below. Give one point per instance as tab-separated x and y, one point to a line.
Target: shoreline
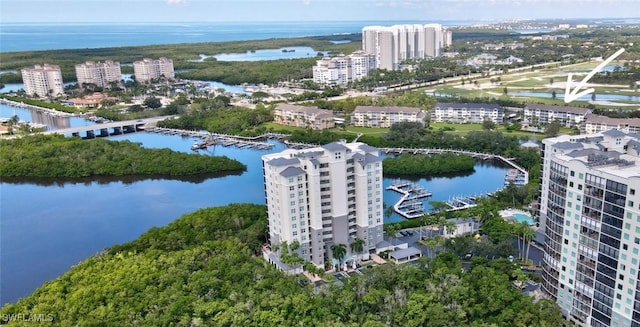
52	112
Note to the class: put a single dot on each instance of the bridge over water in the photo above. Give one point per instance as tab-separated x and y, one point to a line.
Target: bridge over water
108	129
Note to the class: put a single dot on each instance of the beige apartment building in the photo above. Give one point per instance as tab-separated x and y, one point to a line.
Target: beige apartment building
98	73
368	116
325	196
540	114
341	69
147	69
43	80
596	123
301	116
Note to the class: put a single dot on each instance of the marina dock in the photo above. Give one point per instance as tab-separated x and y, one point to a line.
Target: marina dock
460	203
410	204
212	139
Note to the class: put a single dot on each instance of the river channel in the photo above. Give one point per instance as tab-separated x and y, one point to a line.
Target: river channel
47	226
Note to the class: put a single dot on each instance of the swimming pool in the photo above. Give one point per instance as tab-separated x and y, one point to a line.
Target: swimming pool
520	217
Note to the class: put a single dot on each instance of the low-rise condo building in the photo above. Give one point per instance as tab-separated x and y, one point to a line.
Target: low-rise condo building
325	196
590	214
301	116
369	116
447	112
540	114
596	123
43	80
147	69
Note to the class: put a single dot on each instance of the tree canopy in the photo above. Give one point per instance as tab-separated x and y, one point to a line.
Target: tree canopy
57	156
202	270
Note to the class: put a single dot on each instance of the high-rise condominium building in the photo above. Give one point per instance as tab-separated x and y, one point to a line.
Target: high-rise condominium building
324	196
340	70
392	45
100	73
148	69
590	211
43	80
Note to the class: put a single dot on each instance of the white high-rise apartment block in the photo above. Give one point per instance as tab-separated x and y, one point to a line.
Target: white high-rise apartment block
43	80
341	70
324	196
148	69
394	44
100	73
590	214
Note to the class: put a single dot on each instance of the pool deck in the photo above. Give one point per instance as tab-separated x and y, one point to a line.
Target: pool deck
508	214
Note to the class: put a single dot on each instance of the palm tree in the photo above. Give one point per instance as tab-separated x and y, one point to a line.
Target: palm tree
392	230
527	235
357	246
339	252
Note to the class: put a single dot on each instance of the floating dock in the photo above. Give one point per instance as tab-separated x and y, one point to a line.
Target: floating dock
212	139
460	203
410	204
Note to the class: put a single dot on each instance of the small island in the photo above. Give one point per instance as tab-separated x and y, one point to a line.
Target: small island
424	165
54	156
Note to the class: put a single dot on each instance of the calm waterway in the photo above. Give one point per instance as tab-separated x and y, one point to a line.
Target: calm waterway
599	96
48	226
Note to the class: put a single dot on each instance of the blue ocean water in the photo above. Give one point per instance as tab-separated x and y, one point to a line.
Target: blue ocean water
49	36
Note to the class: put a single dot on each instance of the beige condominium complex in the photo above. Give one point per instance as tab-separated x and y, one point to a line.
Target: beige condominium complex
301	116
392	45
148	69
98	73
43	80
590	214
369	116
325	196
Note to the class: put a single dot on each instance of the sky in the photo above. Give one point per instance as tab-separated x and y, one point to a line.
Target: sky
308	10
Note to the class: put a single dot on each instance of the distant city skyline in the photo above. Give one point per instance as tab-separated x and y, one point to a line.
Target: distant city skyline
132	11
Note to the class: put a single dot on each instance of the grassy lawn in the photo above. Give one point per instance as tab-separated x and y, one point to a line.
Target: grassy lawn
282	128
537	81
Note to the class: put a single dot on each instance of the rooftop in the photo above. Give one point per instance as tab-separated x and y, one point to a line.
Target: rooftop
573	110
364	109
458	105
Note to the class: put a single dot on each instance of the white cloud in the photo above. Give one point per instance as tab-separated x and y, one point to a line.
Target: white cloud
306	2
176	2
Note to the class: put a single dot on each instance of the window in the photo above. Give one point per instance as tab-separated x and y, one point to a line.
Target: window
291	196
338	155
290	179
632	191
291	188
573	173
